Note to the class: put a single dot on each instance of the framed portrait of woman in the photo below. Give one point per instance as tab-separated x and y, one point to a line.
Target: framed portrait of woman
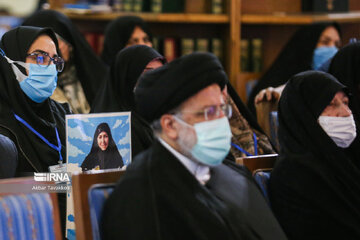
98	141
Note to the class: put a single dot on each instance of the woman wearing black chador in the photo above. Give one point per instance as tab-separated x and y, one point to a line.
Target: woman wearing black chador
104	153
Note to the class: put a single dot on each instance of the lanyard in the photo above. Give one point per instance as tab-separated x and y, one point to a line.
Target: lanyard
57	148
243	151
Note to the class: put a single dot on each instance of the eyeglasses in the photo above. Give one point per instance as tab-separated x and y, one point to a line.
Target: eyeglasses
43	59
213	112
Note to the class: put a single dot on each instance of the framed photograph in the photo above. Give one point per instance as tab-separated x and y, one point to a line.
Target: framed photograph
95	142
98	141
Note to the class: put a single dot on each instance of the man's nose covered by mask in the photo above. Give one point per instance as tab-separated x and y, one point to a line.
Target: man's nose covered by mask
213	140
40	82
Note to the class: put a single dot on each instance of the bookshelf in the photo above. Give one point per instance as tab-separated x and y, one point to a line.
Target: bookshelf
154	17
272	21
276	21
185	25
300	19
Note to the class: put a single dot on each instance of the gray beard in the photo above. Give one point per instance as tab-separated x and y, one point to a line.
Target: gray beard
186	141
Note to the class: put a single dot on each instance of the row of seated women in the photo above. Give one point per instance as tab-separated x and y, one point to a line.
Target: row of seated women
314	187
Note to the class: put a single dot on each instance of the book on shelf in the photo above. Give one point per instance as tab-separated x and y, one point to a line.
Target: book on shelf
118	5
256	54
187	46
202	45
197	6
325	5
156	6
141	5
244	55
137	5
217	48
170	48
217	6
167	6
127	5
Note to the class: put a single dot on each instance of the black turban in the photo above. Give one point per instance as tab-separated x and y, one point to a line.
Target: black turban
165	88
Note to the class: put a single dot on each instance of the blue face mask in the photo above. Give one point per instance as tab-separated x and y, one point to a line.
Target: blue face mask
41	82
321	55
213	141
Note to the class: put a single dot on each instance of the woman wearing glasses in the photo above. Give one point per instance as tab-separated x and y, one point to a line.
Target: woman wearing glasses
32	123
84	71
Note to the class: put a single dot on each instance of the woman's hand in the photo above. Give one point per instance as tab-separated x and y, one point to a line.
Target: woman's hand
269	94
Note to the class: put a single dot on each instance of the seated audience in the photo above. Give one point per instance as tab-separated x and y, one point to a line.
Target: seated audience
123	32
309	48
118	92
345	67
180	188
315	185
84	71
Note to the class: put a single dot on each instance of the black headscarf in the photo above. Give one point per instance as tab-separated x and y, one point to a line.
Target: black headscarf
43	117
165	88
110	158
118	92
296	56
118	33
315	185
345	66
90	69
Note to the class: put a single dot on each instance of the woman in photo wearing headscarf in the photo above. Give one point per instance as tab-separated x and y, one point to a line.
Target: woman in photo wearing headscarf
117	94
33	122
345	67
84	71
103	154
123	32
309	48
315	185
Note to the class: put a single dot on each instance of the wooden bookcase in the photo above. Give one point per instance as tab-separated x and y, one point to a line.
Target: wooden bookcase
274	21
182	25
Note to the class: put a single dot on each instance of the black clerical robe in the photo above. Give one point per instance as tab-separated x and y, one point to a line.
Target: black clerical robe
158	198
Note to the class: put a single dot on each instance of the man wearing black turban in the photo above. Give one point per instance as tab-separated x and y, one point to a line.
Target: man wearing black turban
179	188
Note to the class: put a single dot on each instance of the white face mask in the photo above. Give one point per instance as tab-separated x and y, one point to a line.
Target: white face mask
342	130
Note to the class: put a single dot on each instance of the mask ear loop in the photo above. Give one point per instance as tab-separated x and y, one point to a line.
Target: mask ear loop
20	76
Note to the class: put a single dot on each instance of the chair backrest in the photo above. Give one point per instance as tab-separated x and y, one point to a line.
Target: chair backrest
262	177
263	110
81	183
97	194
258	162
274	126
26	213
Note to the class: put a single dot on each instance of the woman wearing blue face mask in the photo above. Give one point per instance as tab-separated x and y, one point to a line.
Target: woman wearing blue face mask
308	49
30	120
